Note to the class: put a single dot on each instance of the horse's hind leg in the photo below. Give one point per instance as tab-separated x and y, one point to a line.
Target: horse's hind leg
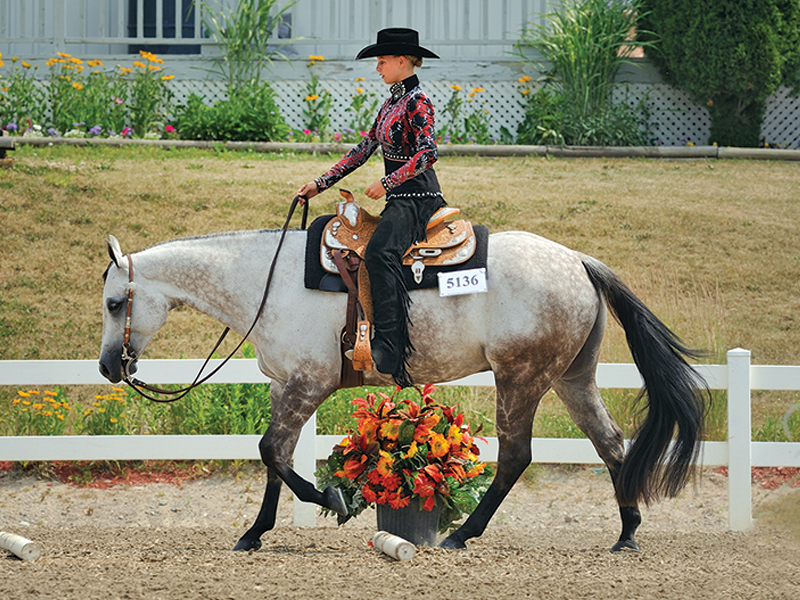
516	404
580	395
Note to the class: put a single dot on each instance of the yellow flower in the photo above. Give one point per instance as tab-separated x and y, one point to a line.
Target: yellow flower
49	393
167	77
27	65
113	420
359	90
456	87
439	445
412	450
38	406
64	55
77	86
34	392
47	413
690	144
14	59
524	79
477	90
312	97
139	64
116	389
360	79
319	58
125	70
23	394
77	61
154	67
60	416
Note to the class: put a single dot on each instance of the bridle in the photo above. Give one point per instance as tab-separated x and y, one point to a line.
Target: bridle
129	354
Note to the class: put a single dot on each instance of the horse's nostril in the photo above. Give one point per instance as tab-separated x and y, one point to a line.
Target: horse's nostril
104	371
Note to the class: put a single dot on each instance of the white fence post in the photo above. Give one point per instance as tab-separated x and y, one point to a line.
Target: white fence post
305	463
739	449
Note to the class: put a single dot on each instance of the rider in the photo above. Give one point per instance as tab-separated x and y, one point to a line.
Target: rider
404	129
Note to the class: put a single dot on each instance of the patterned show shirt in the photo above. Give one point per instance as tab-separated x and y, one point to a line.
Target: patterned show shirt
404	129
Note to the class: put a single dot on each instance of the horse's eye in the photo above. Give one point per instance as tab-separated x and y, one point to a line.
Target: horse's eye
113	305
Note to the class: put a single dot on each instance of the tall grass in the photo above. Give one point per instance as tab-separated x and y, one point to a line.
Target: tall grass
586	42
244	37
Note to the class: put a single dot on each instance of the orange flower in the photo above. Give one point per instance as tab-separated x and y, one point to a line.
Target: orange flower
391	482
391	429
439	445
368	493
430	503
412	450
454	435
397	500
385	463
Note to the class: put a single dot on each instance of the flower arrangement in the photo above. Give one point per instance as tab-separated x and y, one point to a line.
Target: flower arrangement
403	452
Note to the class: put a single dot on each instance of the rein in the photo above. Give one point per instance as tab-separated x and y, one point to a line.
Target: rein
129	356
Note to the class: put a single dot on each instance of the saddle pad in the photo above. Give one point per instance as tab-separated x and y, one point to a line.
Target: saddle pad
316	278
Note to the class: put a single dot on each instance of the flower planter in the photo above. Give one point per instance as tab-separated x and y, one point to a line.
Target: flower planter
410	523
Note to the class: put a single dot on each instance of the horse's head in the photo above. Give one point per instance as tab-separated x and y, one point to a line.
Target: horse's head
133	311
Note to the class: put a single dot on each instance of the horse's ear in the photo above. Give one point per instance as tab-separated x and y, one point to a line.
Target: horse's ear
114	251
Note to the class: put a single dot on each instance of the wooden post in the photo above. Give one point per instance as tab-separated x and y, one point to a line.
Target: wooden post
6	145
305	463
739	448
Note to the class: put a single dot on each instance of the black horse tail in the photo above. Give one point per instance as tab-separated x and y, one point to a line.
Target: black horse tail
676	397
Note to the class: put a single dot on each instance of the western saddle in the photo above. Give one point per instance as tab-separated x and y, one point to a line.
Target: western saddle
344	243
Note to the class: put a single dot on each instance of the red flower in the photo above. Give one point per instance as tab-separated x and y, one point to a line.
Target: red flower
397	500
391	482
368	493
429	503
424	486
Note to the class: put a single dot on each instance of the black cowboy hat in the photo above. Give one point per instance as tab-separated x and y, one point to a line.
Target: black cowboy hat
396	41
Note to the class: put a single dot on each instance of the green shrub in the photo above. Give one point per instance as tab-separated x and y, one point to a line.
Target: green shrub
250	114
728	56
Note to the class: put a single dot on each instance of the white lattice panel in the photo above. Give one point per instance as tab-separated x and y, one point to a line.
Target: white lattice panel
674	119
782	120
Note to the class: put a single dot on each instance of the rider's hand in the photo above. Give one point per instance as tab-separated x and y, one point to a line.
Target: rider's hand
375	190
308	191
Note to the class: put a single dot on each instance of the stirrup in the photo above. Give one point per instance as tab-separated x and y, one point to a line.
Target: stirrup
361	353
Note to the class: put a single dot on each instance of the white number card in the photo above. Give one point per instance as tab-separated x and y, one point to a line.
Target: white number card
456	283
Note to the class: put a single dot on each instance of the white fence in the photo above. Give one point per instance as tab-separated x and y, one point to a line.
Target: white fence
739	453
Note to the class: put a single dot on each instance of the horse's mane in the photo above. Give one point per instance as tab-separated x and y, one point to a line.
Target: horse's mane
210	236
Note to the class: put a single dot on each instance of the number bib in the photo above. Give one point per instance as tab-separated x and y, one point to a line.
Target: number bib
457	283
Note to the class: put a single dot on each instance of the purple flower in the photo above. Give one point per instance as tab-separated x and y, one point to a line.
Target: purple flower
96	130
53	132
11	127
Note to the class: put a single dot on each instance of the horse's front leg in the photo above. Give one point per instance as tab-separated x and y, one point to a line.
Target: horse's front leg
265	521
292	406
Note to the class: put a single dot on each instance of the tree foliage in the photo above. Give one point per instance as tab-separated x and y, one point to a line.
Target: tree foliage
729	56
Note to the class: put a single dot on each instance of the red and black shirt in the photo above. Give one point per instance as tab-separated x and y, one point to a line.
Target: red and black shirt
404	129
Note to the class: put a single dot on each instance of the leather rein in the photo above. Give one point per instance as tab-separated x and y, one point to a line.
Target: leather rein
129	355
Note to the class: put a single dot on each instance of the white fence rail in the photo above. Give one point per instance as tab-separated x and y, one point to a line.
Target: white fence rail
739	453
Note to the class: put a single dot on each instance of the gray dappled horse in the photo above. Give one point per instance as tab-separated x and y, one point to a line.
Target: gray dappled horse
538	327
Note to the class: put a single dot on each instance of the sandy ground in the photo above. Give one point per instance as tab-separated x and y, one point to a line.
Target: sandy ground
549	539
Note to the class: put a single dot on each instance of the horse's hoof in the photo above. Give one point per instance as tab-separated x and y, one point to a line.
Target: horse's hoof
245	545
334	500
451	543
626	546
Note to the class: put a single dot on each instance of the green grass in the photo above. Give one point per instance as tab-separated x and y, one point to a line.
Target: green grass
709	246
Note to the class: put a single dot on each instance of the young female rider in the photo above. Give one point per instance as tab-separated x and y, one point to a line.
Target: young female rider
404	129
